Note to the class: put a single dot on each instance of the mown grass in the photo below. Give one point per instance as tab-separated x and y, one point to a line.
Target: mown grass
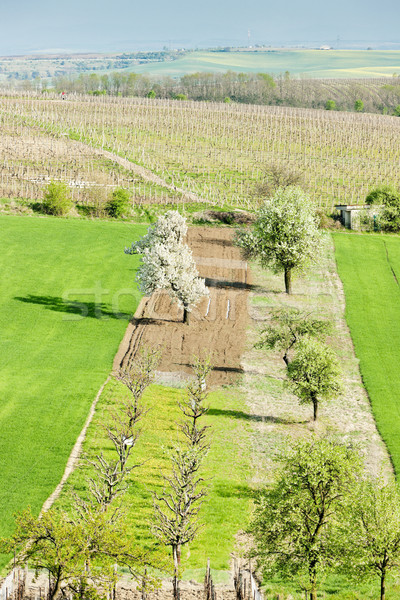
365	264
226	470
52	359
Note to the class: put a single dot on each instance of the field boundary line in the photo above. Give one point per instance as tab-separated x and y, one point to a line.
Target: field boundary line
75	452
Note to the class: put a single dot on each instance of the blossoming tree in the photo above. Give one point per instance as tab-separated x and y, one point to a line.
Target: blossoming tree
168	264
285	235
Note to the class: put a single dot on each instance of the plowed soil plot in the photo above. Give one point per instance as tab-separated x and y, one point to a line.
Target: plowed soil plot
217	325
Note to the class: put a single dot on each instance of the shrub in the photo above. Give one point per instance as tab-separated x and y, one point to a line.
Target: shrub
330	105
119	202
227	100
397	111
384	194
181	97
358	105
57	200
151	94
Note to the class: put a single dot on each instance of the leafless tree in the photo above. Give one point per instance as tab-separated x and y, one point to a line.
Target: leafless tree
194	405
278	175
122	429
176	508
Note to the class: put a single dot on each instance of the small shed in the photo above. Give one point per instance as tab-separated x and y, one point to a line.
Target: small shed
350	214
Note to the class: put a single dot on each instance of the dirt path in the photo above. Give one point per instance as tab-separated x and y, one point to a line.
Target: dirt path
217	325
144	173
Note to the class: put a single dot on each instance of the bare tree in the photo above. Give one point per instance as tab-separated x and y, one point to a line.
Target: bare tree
122	430
194	405
278	175
176	508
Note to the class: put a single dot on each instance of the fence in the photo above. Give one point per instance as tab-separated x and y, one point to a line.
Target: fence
17	586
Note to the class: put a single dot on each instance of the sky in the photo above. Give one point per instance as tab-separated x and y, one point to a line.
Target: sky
28	26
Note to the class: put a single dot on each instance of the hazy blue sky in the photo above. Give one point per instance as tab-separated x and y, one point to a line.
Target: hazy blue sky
97	25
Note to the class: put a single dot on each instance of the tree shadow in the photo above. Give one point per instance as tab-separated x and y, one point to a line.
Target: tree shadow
94	310
220	369
241	285
238	414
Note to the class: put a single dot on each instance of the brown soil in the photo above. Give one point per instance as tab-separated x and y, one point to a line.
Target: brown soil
217	325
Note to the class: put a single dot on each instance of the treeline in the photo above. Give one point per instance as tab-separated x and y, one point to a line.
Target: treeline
370	95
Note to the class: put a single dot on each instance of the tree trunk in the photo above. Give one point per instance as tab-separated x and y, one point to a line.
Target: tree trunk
315	405
55	590
383	585
313	581
176	592
185	315
288	281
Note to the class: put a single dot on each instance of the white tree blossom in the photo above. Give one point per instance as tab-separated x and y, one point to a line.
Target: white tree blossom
167	263
285	235
168	229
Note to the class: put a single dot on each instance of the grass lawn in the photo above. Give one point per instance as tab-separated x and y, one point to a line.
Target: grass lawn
226	470
52	359
365	264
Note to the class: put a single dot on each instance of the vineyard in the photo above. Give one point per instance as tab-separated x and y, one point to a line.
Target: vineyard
217	152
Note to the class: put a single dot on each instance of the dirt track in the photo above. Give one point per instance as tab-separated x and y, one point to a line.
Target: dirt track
217	325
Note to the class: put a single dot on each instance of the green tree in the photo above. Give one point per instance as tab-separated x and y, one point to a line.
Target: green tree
287	327
314	373
330	105
119	203
358	105
285	235
294	525
397	111
371	532
57	200
383	194
66	547
389	197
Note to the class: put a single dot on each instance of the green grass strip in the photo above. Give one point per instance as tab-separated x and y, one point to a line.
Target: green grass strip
365	264
226	470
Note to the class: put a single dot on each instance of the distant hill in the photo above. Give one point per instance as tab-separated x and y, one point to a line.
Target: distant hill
175	63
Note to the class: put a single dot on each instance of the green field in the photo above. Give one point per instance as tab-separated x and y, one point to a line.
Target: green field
313	63
369	267
52	359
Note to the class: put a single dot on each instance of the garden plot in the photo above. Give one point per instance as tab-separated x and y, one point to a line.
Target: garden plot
217	324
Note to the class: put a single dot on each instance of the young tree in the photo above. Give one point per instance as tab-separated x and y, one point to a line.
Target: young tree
65	547
194	406
285	235
294	522
121	427
168	264
288	326
176	508
314	373
371	532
